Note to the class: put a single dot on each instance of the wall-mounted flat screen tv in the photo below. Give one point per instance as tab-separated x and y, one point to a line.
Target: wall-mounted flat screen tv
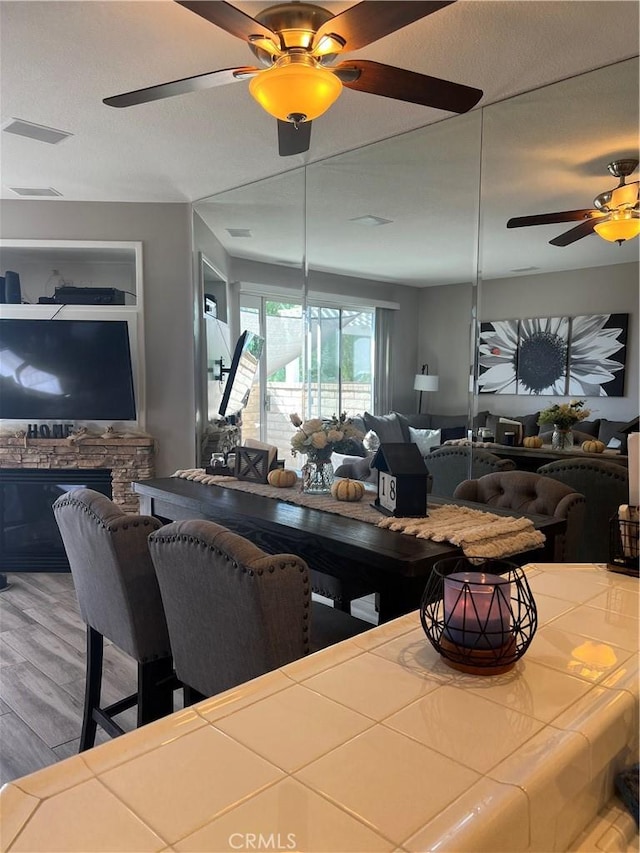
66	370
242	372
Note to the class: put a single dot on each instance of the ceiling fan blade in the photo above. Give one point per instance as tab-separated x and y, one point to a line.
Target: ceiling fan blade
228	18
370	20
577	233
181	87
292	139
550	218
391	82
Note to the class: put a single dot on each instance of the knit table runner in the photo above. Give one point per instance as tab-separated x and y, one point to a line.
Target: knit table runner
477	533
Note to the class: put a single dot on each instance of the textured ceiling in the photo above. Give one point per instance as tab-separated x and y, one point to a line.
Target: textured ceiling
59	59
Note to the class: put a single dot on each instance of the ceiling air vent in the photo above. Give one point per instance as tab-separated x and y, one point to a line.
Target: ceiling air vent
371	221
40	192
35	131
239	232
525	269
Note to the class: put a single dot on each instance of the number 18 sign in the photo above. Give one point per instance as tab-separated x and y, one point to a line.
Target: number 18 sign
402	480
387	491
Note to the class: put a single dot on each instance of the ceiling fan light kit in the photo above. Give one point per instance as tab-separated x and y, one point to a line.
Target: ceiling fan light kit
297	45
619	226
615	215
296	89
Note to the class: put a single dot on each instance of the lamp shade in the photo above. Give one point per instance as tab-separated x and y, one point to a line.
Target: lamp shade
425	382
618	226
296	86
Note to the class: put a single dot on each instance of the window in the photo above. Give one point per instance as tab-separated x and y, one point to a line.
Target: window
340	353
340	377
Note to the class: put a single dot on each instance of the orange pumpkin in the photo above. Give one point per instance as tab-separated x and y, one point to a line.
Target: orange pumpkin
592	446
532	441
347	490
282	478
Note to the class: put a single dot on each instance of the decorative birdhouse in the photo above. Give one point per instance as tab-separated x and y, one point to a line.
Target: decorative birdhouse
402	480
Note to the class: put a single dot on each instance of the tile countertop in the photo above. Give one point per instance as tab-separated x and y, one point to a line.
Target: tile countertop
371	745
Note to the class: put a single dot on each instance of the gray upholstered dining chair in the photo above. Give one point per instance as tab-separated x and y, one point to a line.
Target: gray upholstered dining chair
533	493
235	612
605	486
449	466
119	599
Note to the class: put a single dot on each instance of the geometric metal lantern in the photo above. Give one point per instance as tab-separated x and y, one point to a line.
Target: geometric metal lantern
480	615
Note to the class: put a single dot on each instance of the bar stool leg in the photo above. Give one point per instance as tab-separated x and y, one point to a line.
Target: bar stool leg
156	684
93	686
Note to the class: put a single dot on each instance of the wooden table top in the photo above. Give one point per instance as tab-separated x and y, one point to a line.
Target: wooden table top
388	550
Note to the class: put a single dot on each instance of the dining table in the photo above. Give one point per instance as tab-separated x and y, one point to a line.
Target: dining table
394	565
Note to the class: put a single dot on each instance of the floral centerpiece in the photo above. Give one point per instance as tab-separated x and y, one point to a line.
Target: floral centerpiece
563	416
318	438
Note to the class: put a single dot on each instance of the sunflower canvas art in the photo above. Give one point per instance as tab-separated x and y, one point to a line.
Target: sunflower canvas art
551	356
498	356
524	356
598	355
543	350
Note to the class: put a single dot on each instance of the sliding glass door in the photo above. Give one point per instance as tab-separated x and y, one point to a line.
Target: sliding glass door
339	377
341	353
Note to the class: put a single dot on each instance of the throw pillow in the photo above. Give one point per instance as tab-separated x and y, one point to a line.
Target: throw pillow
452	433
529	424
611	429
579	437
591	428
443	421
425	439
386	427
418	421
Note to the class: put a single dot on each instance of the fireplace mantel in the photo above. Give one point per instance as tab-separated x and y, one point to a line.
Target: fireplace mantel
129	457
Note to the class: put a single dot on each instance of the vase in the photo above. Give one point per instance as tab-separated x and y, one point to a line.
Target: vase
562	438
317	475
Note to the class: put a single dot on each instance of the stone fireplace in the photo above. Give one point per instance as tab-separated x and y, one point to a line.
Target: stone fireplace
34	472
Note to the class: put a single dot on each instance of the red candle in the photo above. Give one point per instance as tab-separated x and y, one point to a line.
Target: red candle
476	610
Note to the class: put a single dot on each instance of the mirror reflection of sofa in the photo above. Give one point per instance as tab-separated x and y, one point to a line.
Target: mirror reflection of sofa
430	431
425	430
448	465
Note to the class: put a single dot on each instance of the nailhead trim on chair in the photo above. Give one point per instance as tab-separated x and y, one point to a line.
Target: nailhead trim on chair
113	526
244	570
585	466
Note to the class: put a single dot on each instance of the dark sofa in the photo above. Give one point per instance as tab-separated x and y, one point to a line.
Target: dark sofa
398	427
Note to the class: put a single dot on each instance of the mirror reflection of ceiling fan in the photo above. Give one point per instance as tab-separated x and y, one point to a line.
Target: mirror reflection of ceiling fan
297	45
615	216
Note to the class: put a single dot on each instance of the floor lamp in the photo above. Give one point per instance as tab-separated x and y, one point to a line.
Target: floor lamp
424	381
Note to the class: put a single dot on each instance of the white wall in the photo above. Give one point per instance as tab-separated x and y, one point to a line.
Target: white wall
165	231
445	319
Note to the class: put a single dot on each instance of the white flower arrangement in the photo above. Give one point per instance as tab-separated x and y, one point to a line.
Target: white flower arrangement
320	437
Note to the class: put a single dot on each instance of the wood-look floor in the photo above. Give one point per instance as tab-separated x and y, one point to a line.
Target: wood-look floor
42	668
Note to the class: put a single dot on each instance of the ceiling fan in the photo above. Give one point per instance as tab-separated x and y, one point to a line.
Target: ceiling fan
615	215
297	45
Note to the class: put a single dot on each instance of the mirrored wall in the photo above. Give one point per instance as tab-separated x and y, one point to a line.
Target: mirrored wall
406	239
